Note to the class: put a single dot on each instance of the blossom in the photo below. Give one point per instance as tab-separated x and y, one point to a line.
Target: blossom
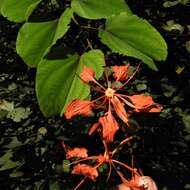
111	100
86	170
120	73
78	107
77	152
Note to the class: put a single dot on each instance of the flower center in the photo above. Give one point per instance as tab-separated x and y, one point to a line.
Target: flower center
109	92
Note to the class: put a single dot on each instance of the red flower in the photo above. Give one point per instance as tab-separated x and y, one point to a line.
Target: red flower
111	100
120	73
77	152
86	170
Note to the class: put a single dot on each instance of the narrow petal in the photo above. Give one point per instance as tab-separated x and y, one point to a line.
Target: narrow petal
87	74
120	73
120	110
144	103
109	125
93	128
86	170
77	152
78	107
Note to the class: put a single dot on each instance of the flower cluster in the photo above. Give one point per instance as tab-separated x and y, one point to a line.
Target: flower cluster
115	105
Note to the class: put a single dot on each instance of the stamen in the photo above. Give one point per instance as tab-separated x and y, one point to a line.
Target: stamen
109	92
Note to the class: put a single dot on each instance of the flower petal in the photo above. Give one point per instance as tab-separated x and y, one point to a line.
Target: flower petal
93	128
120	110
78	107
77	152
144	103
87	74
120	73
109	125
86	170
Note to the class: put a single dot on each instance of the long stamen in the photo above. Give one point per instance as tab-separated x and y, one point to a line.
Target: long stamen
97	99
85	159
125	101
80	183
134	73
106	75
121	144
110	170
126	166
125	181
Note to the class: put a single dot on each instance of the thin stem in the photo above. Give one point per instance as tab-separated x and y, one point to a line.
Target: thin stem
89	27
134	73
121	144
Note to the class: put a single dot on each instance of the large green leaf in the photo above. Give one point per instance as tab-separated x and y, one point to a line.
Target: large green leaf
18	11
35	39
133	36
96	9
57	81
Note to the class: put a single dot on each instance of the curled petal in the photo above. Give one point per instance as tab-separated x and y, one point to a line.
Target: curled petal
78	107
86	170
109	125
87	74
77	152
139	183
144	103
120	110
94	127
120	73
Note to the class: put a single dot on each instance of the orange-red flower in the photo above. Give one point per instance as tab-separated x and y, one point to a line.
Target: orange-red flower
109	126
86	170
77	152
120	73
78	107
111	100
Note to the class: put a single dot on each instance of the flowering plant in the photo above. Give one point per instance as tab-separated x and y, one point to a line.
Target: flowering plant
112	102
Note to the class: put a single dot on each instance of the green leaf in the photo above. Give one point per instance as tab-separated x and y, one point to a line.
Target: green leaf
58	83
18	11
6	163
135	37
66	166
35	39
94	9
